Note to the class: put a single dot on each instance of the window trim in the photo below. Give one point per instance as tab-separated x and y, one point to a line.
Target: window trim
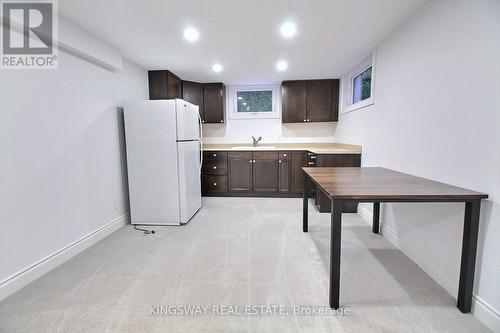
233	96
347	84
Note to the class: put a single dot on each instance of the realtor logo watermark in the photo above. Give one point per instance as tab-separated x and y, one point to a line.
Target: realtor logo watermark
29	34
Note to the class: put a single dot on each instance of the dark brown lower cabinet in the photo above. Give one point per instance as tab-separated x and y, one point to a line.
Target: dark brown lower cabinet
214	184
299	160
240	170
265	172
273	174
214	173
336	160
284	171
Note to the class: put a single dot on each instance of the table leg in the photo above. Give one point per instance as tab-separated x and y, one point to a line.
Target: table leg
305	204
376	217
335	239
469	247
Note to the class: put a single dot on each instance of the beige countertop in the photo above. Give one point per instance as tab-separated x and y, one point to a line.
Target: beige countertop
317	148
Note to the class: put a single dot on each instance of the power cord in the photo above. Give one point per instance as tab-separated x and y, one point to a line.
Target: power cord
146	231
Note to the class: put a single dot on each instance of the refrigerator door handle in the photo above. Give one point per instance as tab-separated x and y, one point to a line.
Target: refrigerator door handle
201	142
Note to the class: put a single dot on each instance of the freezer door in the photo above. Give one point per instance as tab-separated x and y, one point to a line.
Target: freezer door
189	178
188	126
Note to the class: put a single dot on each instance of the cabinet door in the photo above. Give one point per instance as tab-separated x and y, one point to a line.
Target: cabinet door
265	172
335	99
299	160
336	160
174	86
157	84
214	101
193	93
240	167
294	101
319	100
164	85
284	164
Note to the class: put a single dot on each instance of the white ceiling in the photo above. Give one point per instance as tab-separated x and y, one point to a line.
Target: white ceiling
333	35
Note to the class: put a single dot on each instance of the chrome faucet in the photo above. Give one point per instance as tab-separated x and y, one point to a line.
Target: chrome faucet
256	141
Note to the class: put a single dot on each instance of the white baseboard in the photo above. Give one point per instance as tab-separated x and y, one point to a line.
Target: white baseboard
480	309
15	282
486	313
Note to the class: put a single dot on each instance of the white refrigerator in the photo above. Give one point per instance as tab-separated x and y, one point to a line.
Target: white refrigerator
164	156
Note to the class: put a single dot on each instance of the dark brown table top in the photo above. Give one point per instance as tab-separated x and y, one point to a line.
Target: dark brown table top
372	184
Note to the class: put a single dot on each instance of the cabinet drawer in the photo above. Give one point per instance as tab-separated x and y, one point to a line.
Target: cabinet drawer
214	163
311	159
214	184
215	156
285	156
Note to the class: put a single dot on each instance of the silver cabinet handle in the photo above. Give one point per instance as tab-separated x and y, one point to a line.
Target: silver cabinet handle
311	163
313	157
279	161
305	119
215	155
284	155
222	121
215	184
251	161
215	167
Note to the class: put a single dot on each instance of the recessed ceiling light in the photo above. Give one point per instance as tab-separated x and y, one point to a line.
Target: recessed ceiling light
288	29
191	34
217	68
281	65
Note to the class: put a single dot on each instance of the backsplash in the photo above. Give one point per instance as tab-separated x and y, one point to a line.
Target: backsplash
271	130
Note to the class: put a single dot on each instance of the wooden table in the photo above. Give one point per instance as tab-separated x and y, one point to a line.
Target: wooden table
383	185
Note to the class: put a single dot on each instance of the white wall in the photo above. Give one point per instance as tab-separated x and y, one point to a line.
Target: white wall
62	175
437	115
271	130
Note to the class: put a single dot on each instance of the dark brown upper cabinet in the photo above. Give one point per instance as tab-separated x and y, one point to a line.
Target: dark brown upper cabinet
210	97
193	93
294	101
214	103
320	100
310	101
164	85
265	172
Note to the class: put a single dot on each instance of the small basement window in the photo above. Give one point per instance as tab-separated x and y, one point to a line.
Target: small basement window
362	86
358	86
253	102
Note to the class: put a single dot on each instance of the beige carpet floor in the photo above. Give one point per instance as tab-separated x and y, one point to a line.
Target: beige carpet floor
236	252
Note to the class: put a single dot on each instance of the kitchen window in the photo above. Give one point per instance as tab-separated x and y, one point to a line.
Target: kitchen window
362	86
253	102
358	86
